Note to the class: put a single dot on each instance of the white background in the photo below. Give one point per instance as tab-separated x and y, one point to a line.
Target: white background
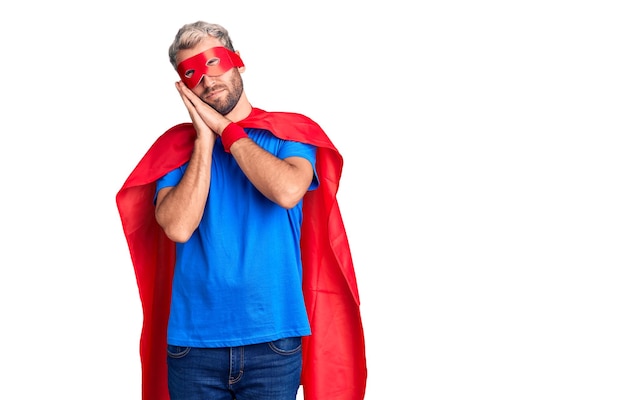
483	188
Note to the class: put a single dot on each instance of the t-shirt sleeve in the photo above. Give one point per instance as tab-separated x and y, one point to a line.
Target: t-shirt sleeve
304	150
170	179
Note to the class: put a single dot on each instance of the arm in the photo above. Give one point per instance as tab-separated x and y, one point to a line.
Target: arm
179	209
284	182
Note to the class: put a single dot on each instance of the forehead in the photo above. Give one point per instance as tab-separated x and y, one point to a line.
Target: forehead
203	45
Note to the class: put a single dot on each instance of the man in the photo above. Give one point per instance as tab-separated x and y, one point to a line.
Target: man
242	262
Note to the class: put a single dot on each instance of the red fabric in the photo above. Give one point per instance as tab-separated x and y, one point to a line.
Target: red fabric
231	134
334	365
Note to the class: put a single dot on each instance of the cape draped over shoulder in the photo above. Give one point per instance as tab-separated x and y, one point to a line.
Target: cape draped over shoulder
334	364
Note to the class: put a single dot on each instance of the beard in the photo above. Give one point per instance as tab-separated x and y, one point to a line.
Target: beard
234	89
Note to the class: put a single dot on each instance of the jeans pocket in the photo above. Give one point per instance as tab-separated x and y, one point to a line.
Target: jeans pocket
177	351
286	346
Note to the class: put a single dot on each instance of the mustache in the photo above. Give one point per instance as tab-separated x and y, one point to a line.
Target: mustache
213	89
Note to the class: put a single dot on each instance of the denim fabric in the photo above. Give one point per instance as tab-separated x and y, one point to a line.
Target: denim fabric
265	371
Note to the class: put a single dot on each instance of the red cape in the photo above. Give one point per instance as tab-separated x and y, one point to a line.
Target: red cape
334	366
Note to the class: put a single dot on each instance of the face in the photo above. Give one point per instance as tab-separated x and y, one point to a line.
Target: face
211	62
211	72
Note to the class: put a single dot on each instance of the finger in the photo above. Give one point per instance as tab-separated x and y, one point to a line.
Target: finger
196	118
189	103
183	89
201	113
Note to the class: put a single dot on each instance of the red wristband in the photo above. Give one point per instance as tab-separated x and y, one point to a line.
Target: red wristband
231	134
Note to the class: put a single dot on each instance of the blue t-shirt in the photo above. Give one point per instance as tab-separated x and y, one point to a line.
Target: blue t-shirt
238	279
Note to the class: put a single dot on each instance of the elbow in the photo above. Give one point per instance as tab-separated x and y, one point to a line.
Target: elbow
175	232
287	204
178	235
290	198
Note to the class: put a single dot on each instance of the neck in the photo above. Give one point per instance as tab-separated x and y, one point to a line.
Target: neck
241	110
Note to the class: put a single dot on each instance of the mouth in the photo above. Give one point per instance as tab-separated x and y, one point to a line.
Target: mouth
213	93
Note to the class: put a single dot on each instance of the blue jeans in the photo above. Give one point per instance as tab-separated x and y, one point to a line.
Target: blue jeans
265	371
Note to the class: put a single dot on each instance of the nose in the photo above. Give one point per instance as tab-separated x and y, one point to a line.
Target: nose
208	81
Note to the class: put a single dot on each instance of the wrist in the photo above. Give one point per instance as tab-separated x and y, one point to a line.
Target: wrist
231	134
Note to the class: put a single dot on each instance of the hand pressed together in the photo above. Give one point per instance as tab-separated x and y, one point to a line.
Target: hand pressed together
206	120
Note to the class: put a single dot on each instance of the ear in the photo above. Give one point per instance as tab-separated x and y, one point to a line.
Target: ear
241	69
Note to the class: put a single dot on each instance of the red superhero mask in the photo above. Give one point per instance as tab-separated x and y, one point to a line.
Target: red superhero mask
212	62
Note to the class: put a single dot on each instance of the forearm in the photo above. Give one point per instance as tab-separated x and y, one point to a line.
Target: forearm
284	182
180	209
